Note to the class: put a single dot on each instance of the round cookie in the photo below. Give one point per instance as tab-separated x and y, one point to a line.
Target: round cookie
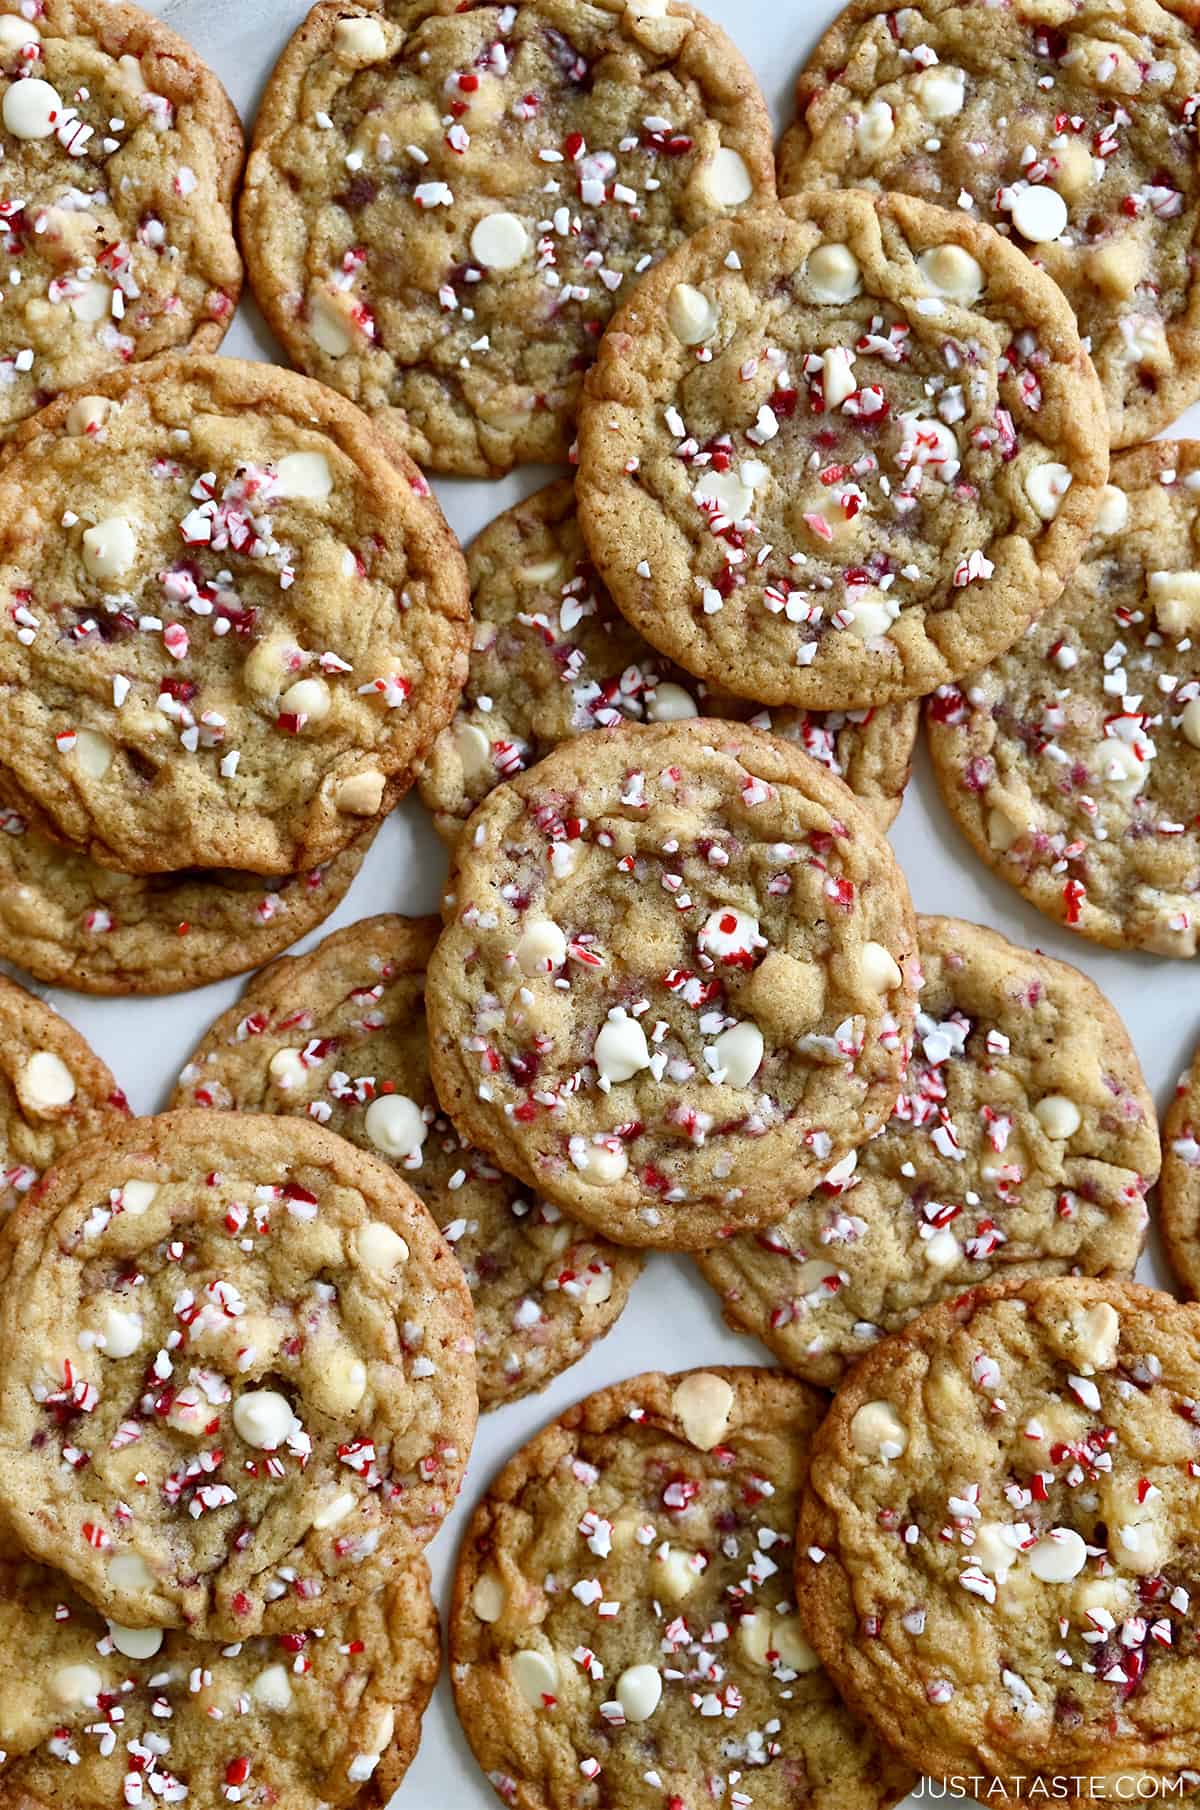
1023	1143
1072	762
121	151
551	658
93	1715
998	1544
241	619
1179	1190
678	962
339	1034
74	924
236	1378
54	1092
443	205
840	451
1070	129
621	1610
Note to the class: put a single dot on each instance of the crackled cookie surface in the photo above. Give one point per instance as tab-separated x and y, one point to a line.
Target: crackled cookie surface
339	1034
998	1548
1071	129
443	205
1072	762
552	658
1179	1194
239	619
236	1379
1022	1143
622	1611
677	964
54	1092
839	451
95	1714
121	150
75	924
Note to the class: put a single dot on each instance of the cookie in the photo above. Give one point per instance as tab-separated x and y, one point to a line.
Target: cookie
95	1715
443	206
241	619
54	1092
121	151
839	451
339	1034
551	658
1072	763
1070	129
997	1548
74	924
1179	1192
236	1378
622	1611
1023	1143
678	962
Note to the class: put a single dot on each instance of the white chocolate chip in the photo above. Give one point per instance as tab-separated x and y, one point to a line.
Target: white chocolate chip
877	1431
73	1685
669	703
488	1597
263	1418
88	414
1119	767
941	91
603	1163
335	1510
308	698
287	1069
535	1676
942	1251
340	1383
791	1643
725	180
307	474
837	376
135	1643
675	1575
110	547
31	108
1137	1539
1002	832
359	40
93	753
952	272
499	242
1046	486
1039	214
879	969
379	1247
621	1050
118	1332
93	302
361	795
754	1636
1058	1557
875	127
739	1053
16	32
542	948
1114	510
395	1125
1095	1335
1189	722
474	751
129	1572
272	1689
703	1403
870	617
692	316
1058	1117
997	1547
1176	600
44	1083
639	1692
832	273
329	324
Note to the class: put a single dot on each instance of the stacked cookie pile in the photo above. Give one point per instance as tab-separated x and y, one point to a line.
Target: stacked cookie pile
840	444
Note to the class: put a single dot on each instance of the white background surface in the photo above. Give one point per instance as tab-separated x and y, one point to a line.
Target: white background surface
672	1319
